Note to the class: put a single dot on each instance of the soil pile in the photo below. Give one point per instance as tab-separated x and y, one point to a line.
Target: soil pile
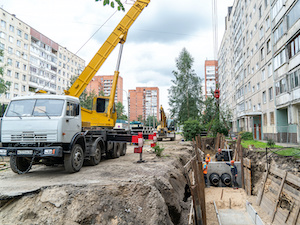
149	193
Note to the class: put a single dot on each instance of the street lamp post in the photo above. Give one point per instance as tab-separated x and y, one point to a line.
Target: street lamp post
128	119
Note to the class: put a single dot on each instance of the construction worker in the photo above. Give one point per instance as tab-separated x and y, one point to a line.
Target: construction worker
208	158
219	155
234	173
204	168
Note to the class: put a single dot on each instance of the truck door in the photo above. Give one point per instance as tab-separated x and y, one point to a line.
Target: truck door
72	122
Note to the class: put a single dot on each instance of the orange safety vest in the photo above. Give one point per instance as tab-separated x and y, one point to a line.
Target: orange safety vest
204	168
208	158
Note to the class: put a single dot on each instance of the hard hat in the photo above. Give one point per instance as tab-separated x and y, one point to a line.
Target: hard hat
208	155
232	161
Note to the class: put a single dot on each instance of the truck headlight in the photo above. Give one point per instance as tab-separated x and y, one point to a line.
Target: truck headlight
3	152
49	151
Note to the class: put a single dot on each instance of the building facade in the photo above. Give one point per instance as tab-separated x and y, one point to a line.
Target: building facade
103	84
259	65
143	102
32	61
211	77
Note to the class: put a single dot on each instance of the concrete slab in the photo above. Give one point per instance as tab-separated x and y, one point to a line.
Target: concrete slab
235	217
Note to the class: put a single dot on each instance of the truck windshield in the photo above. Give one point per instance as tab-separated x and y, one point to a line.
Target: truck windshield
35	107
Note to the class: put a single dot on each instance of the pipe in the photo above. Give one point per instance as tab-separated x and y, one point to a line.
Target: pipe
214	179
226	179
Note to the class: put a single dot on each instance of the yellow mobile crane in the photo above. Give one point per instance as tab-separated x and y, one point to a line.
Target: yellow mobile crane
54	129
103	113
166	129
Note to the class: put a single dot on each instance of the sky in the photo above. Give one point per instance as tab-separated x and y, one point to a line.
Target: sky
153	42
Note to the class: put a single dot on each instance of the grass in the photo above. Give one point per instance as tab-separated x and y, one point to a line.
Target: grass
275	148
257	144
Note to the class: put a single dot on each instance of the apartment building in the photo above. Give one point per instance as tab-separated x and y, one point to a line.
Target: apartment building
103	84
259	68
33	61
143	102
70	66
15	43
211	77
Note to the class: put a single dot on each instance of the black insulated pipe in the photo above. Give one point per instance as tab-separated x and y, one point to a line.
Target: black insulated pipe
214	179
226	179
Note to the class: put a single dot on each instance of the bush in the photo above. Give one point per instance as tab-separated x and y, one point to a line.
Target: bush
190	129
158	150
271	142
246	135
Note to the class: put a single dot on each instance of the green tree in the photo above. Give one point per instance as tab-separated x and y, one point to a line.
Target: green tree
112	4
149	121
191	128
185	93
120	111
140	118
86	99
4	85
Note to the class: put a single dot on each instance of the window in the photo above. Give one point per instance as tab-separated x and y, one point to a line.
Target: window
19	43
264	97
24	77
16	75
278	32
256	66
24	67
294	46
19	32
8	73
293	15
11	28
261	32
272	120
11	39
262	53
279	59
258	106
277	7
72	109
294	79
258	86
271	93
267	23
2	35
26	46
10	50
26	36
3	24
254	107
260	12
266	3
18	53
23	88
263	75
17	64
9	61
268	46
265	119
16	86
253	89
269	70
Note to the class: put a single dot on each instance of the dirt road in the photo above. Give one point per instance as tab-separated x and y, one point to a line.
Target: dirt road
117	191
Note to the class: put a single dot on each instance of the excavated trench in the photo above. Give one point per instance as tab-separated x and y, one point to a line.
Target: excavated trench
159	198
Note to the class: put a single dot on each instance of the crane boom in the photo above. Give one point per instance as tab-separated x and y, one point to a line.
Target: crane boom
117	36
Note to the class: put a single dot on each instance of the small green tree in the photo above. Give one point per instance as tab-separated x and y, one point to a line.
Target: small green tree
140	118
191	128
120	111
149	121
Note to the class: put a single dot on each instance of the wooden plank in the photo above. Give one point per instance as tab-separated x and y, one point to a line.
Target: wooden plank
260	195
278	196
267	205
247	163
198	215
290	177
202	193
296	215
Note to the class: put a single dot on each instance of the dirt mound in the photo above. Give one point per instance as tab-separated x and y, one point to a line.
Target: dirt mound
143	197
259	162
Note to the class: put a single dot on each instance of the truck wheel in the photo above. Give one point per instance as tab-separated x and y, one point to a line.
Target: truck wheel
117	150
172	138
74	161
123	149
95	160
19	164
